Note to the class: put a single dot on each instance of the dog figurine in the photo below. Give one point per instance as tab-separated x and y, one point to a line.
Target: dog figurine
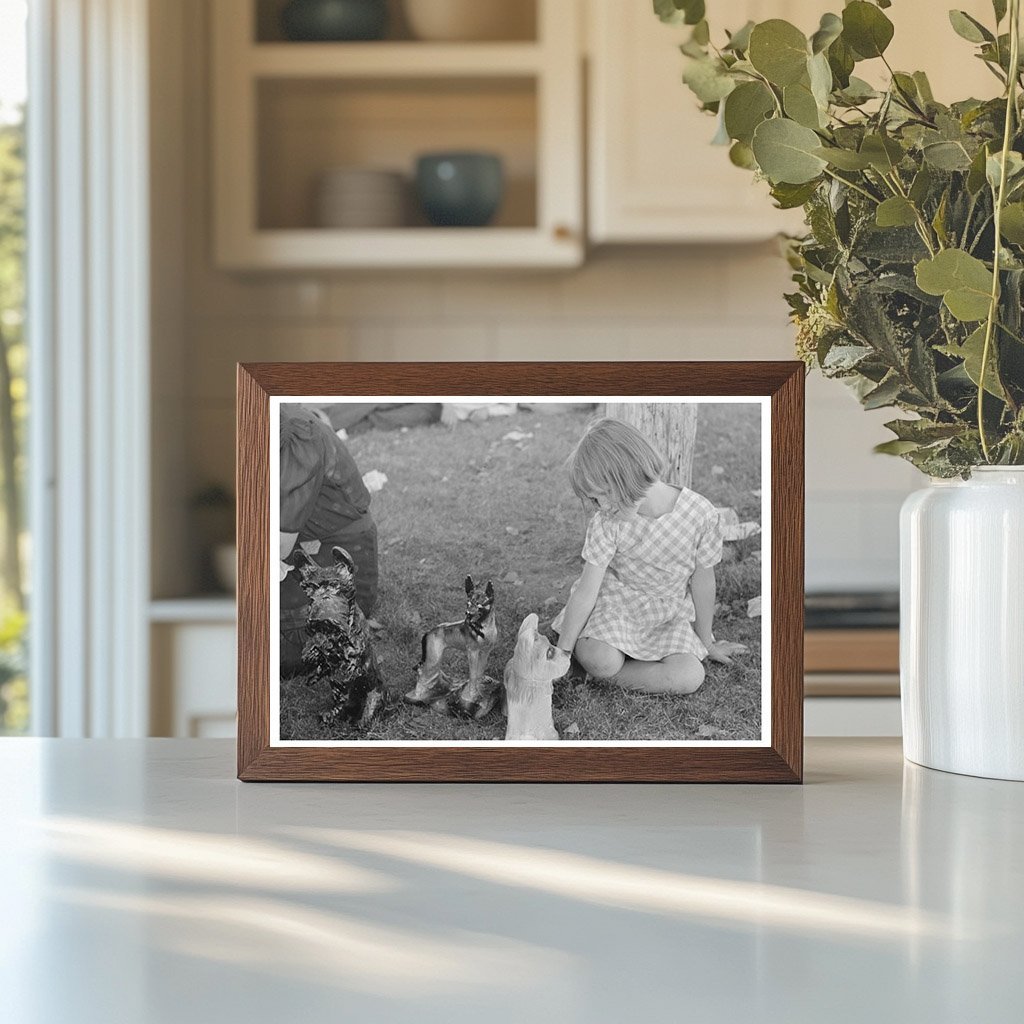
476	633
529	678
338	648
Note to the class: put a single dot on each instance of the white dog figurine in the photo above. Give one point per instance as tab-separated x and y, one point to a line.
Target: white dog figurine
529	675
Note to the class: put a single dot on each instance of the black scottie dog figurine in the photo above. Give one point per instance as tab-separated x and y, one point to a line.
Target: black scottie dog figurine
338	648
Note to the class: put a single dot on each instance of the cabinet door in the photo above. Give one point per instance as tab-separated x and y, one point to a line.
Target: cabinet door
654	175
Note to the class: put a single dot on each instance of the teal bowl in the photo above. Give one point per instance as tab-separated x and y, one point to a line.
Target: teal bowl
460	190
334	21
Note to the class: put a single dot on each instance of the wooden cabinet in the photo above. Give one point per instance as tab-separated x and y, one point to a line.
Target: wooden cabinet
286	113
193	670
654	176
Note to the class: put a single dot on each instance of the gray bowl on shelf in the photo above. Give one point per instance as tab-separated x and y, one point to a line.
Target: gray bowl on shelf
460	189
334	21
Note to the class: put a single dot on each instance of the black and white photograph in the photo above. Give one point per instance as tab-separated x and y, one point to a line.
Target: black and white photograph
520	570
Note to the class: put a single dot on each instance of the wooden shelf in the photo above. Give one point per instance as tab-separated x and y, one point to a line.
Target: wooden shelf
852	650
393	60
401	247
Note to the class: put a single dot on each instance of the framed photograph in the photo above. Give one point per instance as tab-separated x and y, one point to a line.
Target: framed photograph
516	572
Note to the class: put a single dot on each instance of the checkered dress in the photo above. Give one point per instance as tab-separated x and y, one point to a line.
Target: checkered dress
644	607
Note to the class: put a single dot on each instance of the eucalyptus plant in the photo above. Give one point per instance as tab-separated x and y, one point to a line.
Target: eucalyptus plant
910	278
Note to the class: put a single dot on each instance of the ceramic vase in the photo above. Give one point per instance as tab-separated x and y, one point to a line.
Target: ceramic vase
460	189
962	624
334	20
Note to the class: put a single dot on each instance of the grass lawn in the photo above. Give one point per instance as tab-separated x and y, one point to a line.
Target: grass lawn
464	501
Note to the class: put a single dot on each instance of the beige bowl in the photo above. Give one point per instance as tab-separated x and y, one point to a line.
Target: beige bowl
471	20
356	197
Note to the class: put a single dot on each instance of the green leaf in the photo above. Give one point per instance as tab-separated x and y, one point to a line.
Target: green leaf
844	159
745	108
676	12
921	185
896	212
789	197
946	156
739	41
883	153
1012	224
976	174
830	29
820	76
971	352
895	447
963	281
778	50
858	91
866	29
923	431
741	155
924	88
800	105
785	152
969	28
841	60
1014	169
707	80
885	394
906	89
939	220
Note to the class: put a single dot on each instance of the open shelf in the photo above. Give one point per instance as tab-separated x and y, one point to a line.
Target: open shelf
308	127
286	114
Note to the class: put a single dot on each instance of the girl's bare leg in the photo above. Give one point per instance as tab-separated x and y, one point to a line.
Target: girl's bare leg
678	674
601	660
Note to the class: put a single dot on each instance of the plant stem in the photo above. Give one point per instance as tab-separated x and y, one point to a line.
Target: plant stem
993	309
922	225
855	187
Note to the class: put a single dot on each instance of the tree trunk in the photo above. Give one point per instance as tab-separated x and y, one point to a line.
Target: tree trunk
670	427
11	491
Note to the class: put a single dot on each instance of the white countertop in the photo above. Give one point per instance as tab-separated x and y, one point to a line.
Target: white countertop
142	884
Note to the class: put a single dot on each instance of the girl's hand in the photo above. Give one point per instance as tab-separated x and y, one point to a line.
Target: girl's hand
723	651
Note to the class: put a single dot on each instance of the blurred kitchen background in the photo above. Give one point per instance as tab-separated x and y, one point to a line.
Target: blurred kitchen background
288	222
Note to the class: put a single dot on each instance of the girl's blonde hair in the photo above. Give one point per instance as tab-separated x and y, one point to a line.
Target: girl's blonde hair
614	458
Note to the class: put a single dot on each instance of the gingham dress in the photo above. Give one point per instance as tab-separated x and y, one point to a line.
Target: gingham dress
644	607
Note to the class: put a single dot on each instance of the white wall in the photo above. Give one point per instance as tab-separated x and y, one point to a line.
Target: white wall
656	303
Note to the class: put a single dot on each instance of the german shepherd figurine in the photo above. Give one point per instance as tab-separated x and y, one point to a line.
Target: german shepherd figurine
476	633
338	648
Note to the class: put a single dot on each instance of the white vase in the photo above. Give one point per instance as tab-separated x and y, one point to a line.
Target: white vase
962	624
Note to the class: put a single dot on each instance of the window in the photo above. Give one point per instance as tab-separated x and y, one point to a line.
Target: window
14	548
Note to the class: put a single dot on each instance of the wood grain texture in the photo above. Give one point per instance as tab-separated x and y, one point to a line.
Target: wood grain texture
781	762
852	650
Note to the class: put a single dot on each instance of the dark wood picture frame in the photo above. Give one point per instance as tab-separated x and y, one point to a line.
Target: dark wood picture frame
780	761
